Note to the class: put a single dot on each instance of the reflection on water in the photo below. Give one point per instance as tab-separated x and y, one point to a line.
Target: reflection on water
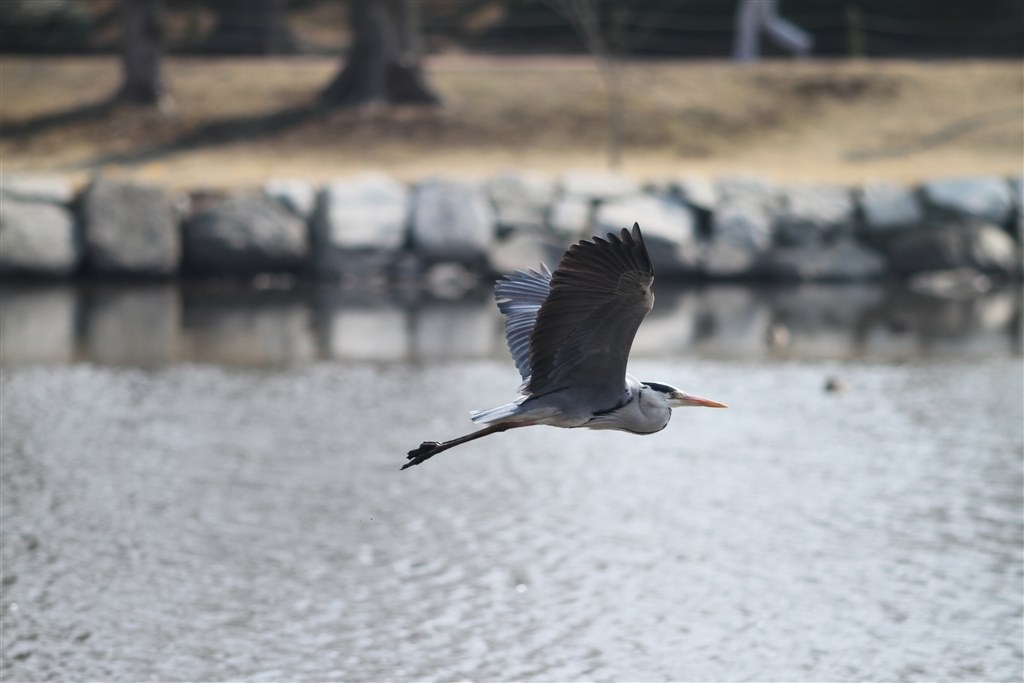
133	326
164	323
249	328
37	324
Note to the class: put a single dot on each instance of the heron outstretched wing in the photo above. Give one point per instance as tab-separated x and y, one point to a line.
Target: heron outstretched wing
520	295
599	295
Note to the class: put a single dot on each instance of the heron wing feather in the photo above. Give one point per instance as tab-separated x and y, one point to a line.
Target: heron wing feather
520	296
600	293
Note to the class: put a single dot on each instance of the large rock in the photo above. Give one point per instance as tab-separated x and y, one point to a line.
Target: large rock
698	193
986	198
244	235
521	200
748	190
721	259
741	236
522	250
889	208
668	228
130	229
360	224
1017	191
298	196
813	214
36	239
979	245
570	217
596	186
36	188
741	231
746	212
841	261
452	221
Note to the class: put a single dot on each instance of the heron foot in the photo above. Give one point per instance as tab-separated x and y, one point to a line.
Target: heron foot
425	446
425	451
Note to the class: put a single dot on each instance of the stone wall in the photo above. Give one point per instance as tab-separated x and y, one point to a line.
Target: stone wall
944	232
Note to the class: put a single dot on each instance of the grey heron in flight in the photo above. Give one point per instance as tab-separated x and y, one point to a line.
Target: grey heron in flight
569	333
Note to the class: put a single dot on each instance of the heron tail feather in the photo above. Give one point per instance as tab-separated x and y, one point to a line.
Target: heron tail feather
492	415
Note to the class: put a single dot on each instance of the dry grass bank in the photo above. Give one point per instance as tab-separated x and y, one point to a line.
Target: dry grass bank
839	121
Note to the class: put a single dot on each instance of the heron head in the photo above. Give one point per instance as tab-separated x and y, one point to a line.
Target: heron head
676	398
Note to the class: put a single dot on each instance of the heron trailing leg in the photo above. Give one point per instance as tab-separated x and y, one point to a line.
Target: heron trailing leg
428	449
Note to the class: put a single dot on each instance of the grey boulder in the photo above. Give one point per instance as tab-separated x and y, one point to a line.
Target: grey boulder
36	239
748	190
452	221
889	208
298	196
570	216
746	212
520	200
741	232
36	188
698	193
740	237
977	244
667	225
591	185
359	225
844	260
130	229
522	250
244	235
1017	190
721	259
812	214
986	198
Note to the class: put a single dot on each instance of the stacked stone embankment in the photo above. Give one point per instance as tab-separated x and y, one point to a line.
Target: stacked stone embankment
940	232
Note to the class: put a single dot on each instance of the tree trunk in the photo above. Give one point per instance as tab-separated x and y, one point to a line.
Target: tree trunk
383	65
251	27
140	53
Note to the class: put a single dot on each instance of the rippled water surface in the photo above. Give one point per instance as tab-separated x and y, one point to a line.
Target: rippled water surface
195	521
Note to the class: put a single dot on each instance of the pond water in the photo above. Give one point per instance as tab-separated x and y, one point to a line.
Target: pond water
203	484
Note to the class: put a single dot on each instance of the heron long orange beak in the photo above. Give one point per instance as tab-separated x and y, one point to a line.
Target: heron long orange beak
687	400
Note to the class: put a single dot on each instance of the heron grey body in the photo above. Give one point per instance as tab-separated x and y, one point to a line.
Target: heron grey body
569	333
637	409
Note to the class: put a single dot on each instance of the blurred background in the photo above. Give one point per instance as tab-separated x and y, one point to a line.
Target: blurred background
228	93
242	272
